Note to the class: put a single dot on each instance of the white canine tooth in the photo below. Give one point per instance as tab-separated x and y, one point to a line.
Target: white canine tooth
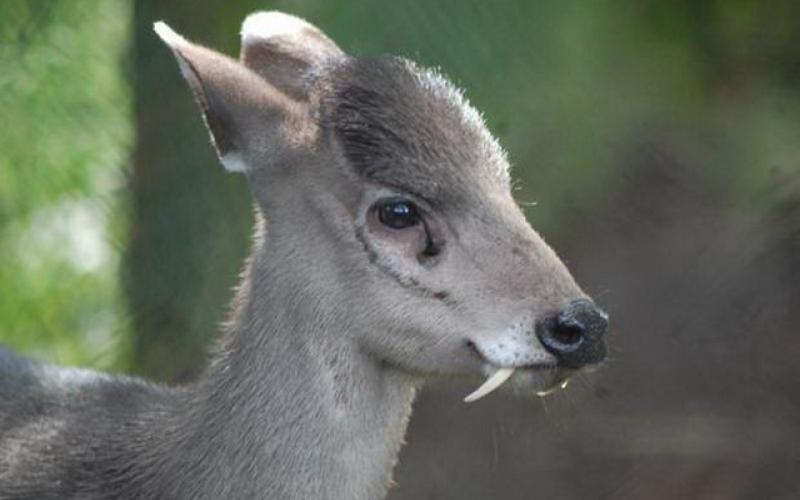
493	382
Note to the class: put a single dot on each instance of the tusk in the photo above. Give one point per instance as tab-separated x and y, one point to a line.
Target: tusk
492	383
553	389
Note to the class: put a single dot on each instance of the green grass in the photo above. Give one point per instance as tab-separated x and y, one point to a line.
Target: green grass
64	146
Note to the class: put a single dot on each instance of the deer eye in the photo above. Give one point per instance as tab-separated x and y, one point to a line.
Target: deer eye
398	214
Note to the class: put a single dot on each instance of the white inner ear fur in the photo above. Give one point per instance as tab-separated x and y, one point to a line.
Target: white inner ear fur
265	25
233	162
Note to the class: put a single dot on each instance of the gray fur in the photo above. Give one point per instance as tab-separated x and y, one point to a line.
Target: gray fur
382	111
337	321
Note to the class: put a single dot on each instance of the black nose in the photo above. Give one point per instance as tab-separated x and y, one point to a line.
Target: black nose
575	335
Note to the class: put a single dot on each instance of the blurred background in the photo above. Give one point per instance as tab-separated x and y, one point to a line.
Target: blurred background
660	142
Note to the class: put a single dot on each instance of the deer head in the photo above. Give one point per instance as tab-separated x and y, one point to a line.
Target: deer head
388	202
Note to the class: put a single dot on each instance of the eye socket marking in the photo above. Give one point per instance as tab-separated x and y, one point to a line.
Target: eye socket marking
431	250
398	214
406	224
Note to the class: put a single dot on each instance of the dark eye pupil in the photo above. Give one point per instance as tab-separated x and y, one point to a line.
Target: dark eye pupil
398	214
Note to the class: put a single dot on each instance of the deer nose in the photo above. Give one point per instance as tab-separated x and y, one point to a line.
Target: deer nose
575	336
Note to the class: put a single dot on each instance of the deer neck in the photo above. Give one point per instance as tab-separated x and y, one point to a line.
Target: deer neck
291	404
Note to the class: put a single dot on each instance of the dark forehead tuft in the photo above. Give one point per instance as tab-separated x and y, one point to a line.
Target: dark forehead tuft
410	128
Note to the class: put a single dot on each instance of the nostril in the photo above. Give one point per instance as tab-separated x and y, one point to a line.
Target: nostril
568	332
575	335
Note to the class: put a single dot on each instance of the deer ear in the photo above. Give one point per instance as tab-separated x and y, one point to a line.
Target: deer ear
286	51
241	110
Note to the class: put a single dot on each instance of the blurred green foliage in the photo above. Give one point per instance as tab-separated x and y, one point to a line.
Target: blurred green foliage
64	142
568	86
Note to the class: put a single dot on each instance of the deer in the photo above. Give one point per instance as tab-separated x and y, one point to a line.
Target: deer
388	251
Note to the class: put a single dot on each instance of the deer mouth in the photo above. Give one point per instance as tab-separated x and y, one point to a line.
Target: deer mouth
542	378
